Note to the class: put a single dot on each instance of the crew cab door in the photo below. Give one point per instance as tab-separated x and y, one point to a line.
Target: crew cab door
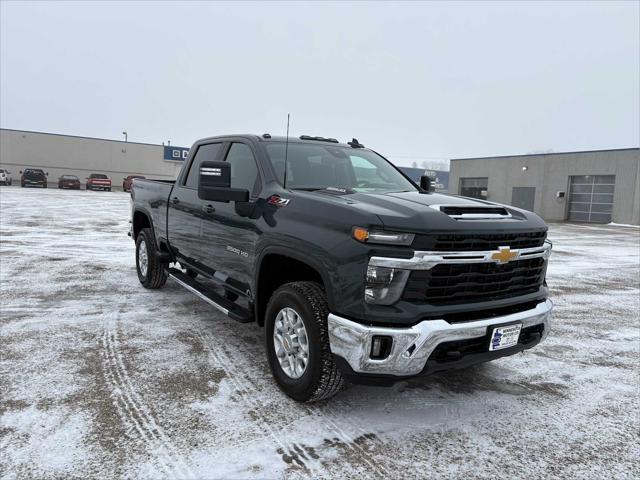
184	222
229	235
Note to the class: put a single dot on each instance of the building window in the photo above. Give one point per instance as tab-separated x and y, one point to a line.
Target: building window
474	187
591	198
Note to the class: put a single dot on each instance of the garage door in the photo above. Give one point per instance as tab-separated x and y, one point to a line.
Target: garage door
591	198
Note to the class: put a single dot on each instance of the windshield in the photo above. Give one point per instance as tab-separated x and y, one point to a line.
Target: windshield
97	175
316	167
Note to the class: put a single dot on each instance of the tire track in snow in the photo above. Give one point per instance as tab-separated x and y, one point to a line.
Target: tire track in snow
319	413
315	412
133	412
351	442
251	401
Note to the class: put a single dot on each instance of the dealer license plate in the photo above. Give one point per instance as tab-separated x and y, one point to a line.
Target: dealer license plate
505	337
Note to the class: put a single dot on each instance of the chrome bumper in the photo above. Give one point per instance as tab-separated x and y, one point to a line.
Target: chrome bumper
352	341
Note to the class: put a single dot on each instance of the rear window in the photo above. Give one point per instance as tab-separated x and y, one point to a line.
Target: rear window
69	177
34	170
97	175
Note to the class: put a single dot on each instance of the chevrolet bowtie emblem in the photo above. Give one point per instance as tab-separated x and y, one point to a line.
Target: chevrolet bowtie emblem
504	255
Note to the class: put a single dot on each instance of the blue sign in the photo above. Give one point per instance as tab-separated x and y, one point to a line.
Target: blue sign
440	180
178	154
440	177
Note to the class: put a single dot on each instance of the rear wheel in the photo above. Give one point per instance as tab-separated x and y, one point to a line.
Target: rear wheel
298	342
151	271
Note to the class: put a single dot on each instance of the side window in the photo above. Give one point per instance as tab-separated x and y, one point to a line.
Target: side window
244	171
205	153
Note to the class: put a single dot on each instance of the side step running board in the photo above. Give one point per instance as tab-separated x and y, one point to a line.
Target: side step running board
229	308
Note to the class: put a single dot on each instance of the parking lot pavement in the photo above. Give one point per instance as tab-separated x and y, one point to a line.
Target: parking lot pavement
102	378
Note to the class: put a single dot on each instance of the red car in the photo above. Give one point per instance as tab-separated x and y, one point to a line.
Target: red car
128	181
69	181
98	181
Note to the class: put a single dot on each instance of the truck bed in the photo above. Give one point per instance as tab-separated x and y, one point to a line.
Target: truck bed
152	196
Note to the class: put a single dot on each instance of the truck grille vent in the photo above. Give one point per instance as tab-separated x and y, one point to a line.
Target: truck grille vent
450	284
456	242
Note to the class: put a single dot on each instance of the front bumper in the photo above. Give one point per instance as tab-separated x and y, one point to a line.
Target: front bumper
412	347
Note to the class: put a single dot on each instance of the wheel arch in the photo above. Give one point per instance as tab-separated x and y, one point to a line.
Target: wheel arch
277	266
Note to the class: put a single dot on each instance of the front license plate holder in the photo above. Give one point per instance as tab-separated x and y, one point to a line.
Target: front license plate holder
505	336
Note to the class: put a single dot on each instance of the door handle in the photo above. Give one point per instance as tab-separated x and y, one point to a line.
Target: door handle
175	200
209	208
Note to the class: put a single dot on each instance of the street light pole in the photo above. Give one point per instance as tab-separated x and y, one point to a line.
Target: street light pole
125	136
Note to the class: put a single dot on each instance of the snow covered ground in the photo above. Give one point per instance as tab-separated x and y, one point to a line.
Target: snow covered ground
102	378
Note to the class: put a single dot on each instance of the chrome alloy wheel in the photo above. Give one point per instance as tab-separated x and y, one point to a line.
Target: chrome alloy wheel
143	258
291	342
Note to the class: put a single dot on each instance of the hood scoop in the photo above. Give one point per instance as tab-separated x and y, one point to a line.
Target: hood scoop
472	212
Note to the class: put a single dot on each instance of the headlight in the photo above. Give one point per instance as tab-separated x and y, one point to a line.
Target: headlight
365	235
384	285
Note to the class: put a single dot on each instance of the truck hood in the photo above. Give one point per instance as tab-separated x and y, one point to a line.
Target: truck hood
415	212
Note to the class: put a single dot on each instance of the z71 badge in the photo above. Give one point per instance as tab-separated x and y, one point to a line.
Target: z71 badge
278	201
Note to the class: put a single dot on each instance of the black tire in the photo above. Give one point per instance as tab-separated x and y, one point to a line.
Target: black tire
108	189
156	274
321	378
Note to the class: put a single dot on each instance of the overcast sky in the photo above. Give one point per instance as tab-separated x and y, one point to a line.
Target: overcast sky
413	81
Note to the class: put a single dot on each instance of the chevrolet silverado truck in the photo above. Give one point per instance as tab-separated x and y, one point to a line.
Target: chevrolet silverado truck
355	272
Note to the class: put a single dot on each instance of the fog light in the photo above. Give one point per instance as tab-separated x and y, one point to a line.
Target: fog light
384	285
380	347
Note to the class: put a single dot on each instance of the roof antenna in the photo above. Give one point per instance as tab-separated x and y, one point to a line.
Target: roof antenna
286	152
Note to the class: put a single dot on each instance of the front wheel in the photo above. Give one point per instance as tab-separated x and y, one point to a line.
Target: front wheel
298	342
151	272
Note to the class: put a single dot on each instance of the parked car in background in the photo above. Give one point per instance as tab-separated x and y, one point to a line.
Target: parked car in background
98	181
128	181
69	181
5	177
33	177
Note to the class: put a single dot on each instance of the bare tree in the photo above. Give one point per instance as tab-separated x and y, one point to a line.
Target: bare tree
435	164
540	150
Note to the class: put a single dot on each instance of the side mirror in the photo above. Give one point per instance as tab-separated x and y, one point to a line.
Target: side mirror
214	183
425	183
